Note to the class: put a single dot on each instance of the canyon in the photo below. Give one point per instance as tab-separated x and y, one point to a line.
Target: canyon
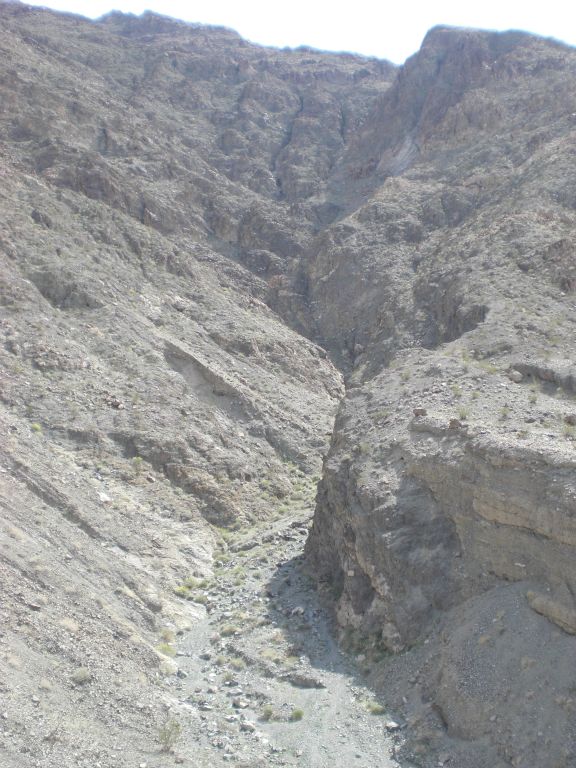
287	399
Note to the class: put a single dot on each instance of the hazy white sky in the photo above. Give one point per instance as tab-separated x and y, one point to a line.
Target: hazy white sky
388	30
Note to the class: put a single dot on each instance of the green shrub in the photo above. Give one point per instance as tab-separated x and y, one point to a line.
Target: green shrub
267	713
169	734
374	708
166	649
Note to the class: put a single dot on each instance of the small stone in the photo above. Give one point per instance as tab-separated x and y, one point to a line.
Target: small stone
247	726
420	412
392	725
515	376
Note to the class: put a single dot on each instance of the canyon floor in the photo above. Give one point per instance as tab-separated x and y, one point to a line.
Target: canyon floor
266	681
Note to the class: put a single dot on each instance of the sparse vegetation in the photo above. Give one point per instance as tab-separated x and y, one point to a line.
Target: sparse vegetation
487	366
296	715
270	654
193	583
267	713
198	597
81	676
228	630
169	734
166	649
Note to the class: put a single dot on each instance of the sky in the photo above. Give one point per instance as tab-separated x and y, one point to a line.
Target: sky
391	31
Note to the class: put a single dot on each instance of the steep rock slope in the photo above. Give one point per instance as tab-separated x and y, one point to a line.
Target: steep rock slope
447	500
149	395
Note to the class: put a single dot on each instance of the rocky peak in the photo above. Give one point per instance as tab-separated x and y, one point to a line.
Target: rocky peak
452	73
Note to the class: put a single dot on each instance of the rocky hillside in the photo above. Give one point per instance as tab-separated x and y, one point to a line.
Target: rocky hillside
444	518
208	248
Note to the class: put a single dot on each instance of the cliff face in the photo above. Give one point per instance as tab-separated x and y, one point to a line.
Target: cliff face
206	245
444	513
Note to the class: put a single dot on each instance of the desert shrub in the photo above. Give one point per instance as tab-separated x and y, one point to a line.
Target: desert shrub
166	649
169	734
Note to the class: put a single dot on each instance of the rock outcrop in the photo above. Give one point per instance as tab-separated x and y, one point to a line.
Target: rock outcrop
449	491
